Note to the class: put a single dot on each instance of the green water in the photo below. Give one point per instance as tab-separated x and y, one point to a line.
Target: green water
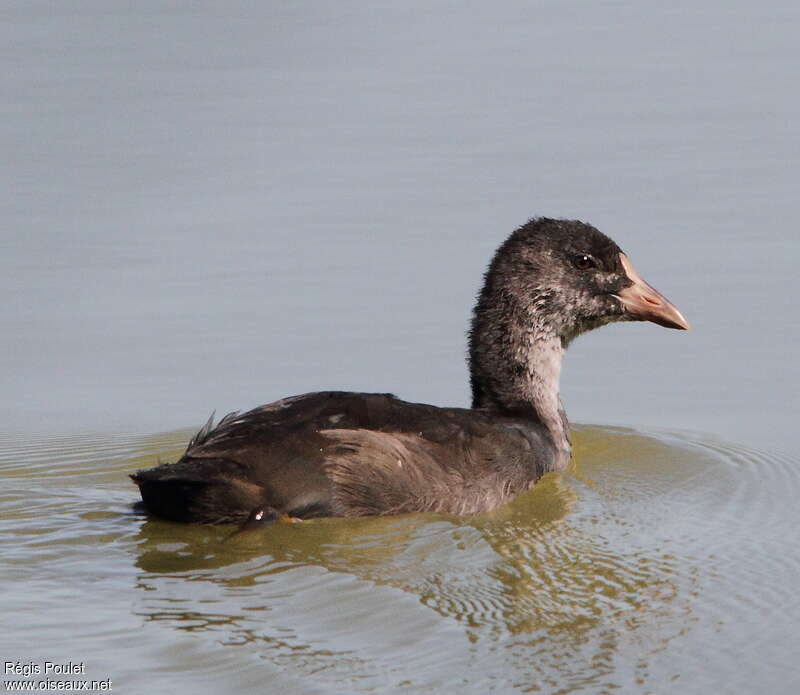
652	565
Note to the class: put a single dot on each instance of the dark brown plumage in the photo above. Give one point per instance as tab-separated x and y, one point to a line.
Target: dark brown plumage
355	454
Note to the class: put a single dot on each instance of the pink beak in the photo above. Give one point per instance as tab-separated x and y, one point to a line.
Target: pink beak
644	303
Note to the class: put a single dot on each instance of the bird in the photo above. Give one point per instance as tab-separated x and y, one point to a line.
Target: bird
347	454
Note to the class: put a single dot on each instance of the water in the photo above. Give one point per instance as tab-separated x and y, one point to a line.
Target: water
655	562
213	207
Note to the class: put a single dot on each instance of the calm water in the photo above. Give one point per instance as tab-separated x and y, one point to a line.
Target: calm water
213	206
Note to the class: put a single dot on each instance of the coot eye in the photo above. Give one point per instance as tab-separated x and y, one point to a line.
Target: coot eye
583	261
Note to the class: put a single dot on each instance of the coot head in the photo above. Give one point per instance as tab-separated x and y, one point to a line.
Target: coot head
550	281
573	278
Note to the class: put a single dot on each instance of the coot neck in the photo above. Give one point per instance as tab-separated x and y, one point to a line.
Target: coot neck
515	369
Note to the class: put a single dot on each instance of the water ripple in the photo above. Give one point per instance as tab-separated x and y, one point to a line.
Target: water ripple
623	574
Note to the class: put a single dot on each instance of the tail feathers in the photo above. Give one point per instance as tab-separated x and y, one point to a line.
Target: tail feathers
207	430
210	491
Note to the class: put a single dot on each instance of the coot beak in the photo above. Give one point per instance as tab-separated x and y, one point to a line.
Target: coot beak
644	303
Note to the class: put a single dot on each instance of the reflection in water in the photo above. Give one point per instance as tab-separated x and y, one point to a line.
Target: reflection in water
617	574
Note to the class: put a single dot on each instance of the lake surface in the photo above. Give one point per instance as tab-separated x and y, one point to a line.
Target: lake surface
651	565
211	207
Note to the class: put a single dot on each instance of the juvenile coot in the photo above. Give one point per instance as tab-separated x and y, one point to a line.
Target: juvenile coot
351	454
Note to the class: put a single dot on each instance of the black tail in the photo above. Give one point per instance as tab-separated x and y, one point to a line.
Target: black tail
209	491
